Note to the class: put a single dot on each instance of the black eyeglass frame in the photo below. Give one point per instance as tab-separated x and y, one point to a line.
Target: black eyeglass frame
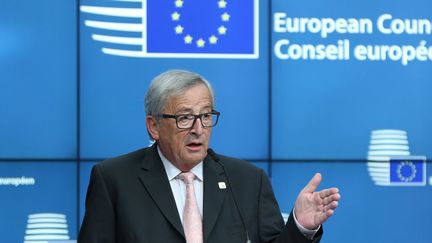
213	112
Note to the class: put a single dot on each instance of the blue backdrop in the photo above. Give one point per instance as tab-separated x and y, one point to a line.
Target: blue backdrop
297	91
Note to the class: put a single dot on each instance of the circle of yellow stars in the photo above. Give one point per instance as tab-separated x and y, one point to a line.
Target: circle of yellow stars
200	42
413	171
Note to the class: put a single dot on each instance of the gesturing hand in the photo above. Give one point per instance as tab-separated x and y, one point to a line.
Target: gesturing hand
314	208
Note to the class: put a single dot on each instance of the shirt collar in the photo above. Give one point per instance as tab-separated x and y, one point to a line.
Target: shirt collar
172	171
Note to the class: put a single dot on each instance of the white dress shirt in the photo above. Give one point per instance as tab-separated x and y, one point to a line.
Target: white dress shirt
178	188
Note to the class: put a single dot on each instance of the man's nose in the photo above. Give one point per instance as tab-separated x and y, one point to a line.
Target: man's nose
197	128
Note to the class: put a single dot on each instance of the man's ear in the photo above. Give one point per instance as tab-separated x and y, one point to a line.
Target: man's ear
152	127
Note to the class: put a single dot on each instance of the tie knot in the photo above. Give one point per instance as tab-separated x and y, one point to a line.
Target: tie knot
187	177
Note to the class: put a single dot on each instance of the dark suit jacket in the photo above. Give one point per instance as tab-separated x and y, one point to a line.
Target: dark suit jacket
129	200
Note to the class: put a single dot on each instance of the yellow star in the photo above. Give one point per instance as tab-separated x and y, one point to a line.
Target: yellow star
222	4
225	17
175	16
178	29
213	39
188	39
200	43
222	30
178	3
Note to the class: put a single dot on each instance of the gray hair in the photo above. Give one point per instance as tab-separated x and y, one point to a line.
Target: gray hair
170	84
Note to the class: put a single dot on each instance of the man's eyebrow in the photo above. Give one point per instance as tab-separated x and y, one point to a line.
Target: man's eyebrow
185	110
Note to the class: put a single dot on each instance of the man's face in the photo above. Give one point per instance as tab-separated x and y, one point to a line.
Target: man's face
185	147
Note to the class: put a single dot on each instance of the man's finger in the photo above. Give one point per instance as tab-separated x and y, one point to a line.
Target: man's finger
325	215
327	192
313	183
331	206
331	198
328	213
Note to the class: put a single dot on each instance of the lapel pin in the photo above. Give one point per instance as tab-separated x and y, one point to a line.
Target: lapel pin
222	185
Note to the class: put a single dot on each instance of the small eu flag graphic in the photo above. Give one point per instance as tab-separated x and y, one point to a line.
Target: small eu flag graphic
174	28
408	170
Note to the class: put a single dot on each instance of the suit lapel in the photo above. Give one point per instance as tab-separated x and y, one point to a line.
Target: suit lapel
155	180
213	195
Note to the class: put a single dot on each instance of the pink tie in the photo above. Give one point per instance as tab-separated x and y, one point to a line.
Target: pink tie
192	222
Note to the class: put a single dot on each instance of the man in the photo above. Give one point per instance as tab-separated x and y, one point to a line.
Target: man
179	190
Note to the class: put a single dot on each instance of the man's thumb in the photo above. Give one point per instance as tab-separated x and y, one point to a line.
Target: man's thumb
313	183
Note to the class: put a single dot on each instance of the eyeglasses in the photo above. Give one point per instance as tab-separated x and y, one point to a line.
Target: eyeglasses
186	121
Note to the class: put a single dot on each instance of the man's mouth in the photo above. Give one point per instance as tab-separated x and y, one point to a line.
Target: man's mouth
194	145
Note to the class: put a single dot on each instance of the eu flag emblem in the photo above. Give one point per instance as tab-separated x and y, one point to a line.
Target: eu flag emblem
175	28
410	170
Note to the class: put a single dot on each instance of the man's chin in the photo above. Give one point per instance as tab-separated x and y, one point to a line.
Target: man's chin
195	158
